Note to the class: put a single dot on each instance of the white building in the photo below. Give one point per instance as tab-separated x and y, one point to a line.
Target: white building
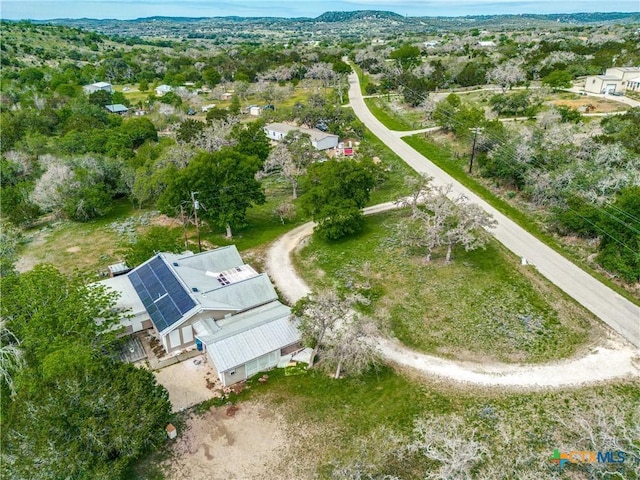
614	80
211	301
319	139
94	87
162	89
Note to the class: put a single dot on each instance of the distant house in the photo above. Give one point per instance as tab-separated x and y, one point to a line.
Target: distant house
614	80
226	96
431	43
320	140
253	110
117	108
211	301
206	108
486	44
94	87
162	89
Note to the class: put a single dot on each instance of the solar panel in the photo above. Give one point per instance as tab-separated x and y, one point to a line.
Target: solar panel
164	298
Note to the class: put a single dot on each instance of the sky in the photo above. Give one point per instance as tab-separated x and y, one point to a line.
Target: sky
129	9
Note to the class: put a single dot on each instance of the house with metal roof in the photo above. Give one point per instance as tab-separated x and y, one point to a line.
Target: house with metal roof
212	301
319	139
117	108
94	87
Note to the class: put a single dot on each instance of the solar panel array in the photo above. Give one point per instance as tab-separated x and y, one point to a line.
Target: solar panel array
161	293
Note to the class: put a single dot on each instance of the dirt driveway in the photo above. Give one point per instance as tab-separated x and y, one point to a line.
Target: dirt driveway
252	443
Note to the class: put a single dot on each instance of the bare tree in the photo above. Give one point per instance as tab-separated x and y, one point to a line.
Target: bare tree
291	157
448	442
321	313
285	211
349	345
321	71
48	191
465	226
506	75
215	136
438	220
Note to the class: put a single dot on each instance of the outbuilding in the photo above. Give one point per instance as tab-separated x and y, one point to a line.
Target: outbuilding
319	139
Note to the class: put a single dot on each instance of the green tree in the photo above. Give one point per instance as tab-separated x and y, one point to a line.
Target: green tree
234	108
558	79
473	73
414	89
619	249
335	193
139	130
101	98
407	56
27	301
189	130
211	76
89	422
155	239
251	139
226	185
77	412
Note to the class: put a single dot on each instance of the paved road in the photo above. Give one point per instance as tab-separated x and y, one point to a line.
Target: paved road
616	311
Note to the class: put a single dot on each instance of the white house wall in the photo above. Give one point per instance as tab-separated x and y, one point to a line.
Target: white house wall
249	369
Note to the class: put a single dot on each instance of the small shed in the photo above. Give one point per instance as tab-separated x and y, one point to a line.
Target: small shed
117	108
171	431
226	96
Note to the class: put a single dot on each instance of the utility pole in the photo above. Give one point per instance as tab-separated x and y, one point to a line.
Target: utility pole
196	206
473	149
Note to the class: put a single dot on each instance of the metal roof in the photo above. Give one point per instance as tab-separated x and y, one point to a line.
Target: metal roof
241	338
116	108
283	128
238	296
127	298
173	287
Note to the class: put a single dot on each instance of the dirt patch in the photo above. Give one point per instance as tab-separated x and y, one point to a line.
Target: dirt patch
164	221
189	382
73	249
595	105
250	444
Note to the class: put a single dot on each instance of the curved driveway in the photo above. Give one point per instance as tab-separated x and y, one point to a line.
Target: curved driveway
613	309
606	362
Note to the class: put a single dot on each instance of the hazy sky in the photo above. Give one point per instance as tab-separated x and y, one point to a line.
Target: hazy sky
128	9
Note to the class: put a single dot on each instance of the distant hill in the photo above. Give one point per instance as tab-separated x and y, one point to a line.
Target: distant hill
332	17
355	25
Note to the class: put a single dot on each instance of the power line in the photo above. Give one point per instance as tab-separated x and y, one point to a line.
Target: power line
511	154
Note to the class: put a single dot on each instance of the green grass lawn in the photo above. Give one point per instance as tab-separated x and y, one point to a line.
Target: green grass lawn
86	247
482	305
390	119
